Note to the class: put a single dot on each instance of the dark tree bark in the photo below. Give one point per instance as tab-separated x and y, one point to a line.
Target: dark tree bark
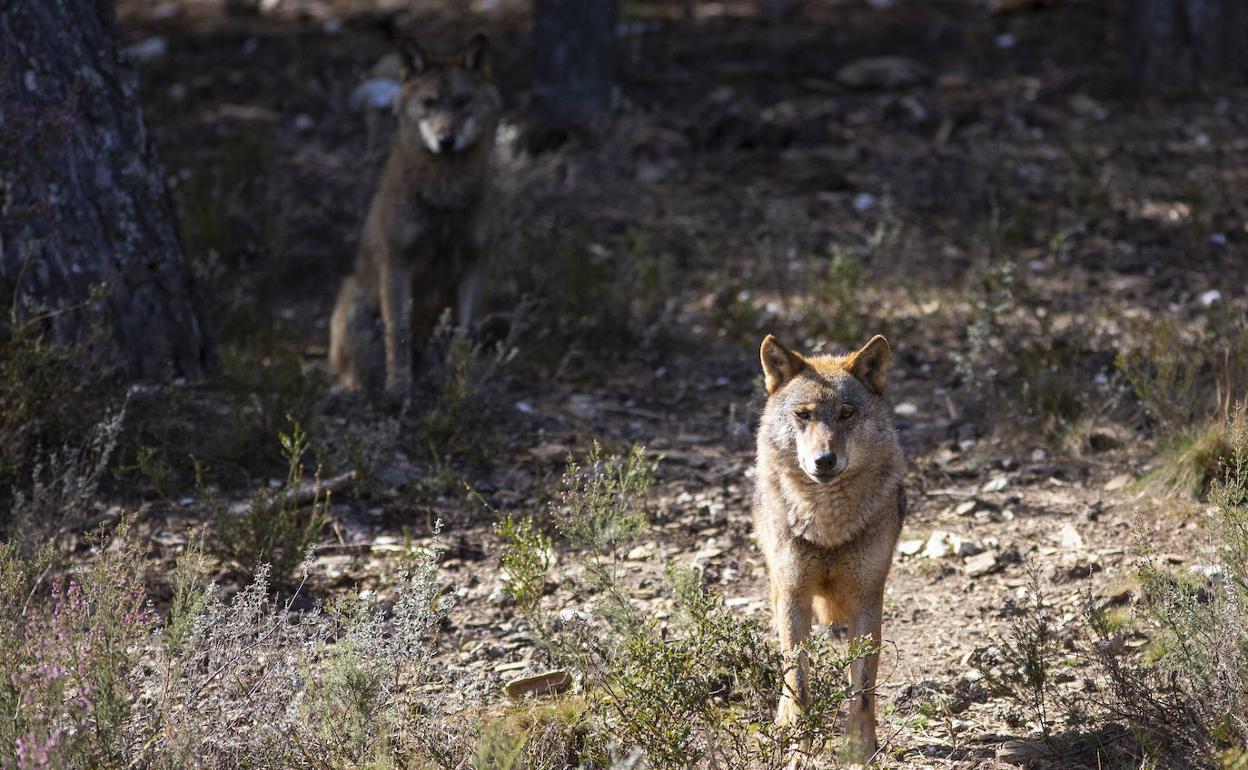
574	71
1178	44
84	212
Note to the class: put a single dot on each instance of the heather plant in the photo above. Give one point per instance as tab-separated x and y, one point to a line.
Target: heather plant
66	677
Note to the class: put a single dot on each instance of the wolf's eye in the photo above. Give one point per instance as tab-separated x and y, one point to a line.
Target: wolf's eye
803	414
461	101
847	412
429	102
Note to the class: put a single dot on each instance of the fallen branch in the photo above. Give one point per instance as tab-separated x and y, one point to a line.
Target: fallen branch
304	494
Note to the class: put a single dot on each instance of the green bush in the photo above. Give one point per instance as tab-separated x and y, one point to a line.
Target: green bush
276	529
1185	700
1185	379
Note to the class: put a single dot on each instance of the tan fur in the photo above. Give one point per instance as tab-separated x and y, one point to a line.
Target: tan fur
424	239
828	508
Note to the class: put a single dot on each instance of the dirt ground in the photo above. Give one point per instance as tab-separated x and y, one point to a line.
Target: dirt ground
745	157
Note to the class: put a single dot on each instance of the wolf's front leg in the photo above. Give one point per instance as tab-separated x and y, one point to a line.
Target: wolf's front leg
864	622
469	291
396	318
792	611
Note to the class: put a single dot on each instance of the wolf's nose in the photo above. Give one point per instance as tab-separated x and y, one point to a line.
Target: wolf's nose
446	143
825	463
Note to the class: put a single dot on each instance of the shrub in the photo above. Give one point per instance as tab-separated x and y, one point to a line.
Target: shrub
276	529
457	422
1026	366
90	678
697	690
1186	700
250	682
66	675
52	396
838	306
63	484
1170	370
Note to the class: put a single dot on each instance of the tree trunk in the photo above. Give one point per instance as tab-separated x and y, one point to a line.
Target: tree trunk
1178	44
574	71
88	243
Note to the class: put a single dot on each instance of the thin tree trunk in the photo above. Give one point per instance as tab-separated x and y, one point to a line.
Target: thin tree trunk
1178	44
574	68
84	212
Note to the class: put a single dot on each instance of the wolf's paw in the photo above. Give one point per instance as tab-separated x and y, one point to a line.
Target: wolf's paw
788	712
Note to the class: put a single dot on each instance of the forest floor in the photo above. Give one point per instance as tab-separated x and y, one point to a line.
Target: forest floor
998	204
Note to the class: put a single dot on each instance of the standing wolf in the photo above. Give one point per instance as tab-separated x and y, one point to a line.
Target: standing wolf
423	242
828	508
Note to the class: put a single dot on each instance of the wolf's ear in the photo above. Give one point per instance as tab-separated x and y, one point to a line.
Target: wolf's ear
870	364
477	56
779	364
412	60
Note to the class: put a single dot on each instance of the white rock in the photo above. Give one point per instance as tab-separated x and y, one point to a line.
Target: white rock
905	409
910	547
941	544
1070	538
149	50
996	484
1210	298
1118	482
375	93
980	564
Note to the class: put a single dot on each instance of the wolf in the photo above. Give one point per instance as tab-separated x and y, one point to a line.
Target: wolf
425	236
828	508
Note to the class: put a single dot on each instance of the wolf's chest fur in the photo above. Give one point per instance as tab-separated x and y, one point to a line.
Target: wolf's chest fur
830	517
826	515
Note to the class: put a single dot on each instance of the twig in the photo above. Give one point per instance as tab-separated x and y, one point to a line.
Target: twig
304	494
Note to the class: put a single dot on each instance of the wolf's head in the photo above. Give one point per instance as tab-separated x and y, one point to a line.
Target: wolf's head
828	413
450	103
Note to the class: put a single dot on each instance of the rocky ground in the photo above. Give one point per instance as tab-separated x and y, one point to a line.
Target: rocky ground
755	143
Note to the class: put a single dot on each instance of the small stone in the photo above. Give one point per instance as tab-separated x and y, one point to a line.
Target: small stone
996	484
1210	298
1020	752
966	508
881	72
1118	482
941	544
910	547
905	409
980	564
149	50
640	552
1070	538
545	683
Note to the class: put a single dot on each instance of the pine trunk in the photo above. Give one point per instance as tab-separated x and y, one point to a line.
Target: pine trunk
574	68
1178	44
84	212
